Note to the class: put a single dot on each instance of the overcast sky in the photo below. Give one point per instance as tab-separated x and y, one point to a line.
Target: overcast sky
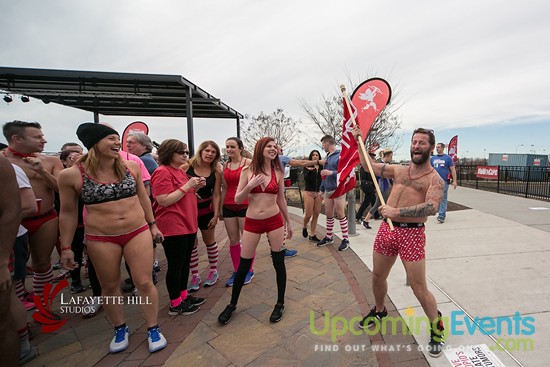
455	65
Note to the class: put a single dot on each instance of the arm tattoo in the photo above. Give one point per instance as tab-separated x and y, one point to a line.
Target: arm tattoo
383	169
417	211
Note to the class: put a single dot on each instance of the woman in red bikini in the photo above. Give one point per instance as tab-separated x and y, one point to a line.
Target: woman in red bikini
119	223
262	184
233	213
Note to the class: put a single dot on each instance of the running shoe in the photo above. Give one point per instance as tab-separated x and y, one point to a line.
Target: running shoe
230	281
373	317
156	340
224	317
314	238
120	341
195	301
437	339
290	253
195	283
249	277
277	313
212	278
344	245
325	241
91	309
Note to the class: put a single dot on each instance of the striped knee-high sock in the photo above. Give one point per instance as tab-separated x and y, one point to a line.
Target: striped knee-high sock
194	263
20	289
39	280
212	251
330	227
344	227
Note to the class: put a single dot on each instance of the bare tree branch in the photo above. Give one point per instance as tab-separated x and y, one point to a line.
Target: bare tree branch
284	129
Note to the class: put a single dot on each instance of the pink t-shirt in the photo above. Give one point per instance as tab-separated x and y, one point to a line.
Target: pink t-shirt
181	217
145	176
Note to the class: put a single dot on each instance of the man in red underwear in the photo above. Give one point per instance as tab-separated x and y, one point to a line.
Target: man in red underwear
417	191
25	142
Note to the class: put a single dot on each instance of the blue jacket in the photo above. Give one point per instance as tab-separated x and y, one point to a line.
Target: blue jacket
330	182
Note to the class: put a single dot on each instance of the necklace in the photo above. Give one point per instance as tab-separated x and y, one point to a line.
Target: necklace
18	154
425	174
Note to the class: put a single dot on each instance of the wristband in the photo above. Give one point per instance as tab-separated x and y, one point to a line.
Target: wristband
182	190
65	249
151	223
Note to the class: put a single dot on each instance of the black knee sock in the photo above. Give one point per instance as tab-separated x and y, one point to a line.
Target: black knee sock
244	267
278	259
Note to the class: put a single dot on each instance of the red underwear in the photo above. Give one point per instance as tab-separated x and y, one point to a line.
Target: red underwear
407	240
32	224
119	239
263	225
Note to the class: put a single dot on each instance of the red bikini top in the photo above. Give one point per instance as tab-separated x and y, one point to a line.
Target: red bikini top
271	188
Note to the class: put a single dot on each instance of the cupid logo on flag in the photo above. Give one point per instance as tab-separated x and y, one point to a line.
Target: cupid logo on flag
368	100
370	97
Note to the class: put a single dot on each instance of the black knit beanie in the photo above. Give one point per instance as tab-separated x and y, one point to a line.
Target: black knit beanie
89	133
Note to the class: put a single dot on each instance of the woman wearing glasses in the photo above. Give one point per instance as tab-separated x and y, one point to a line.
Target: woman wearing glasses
206	164
175	208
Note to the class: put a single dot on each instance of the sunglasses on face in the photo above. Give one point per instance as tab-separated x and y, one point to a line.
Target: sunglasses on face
182	152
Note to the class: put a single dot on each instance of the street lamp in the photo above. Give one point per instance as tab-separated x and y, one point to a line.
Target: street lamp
518	147
532	148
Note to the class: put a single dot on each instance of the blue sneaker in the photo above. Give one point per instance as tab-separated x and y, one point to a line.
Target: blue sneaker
290	253
120	340
249	277
156	340
230	281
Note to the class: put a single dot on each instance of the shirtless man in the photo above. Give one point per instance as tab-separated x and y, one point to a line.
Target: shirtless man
417	191
25	142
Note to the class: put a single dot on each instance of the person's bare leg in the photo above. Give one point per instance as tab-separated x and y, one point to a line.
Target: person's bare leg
381	269
106	258
138	253
416	274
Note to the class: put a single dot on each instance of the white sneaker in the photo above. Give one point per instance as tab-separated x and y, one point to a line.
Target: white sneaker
156	340
92	309
120	341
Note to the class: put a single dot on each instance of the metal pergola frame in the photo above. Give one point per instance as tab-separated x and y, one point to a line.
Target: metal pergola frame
118	94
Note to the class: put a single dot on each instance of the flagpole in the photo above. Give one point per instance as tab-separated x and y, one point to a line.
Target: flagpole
364	152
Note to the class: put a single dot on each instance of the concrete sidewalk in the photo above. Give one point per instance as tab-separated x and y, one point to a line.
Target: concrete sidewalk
489	261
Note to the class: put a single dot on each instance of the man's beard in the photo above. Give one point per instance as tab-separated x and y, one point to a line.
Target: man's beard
422	159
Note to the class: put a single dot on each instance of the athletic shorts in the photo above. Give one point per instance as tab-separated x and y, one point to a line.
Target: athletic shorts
263	225
326	195
404	241
204	220
234	210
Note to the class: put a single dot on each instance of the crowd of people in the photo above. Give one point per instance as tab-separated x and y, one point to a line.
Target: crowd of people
105	205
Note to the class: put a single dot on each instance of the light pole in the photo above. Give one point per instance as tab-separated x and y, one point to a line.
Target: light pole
518	147
532	148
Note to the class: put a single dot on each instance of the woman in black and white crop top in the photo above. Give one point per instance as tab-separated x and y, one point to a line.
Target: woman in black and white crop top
119	222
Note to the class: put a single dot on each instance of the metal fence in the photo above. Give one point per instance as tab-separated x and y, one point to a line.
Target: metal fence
526	181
